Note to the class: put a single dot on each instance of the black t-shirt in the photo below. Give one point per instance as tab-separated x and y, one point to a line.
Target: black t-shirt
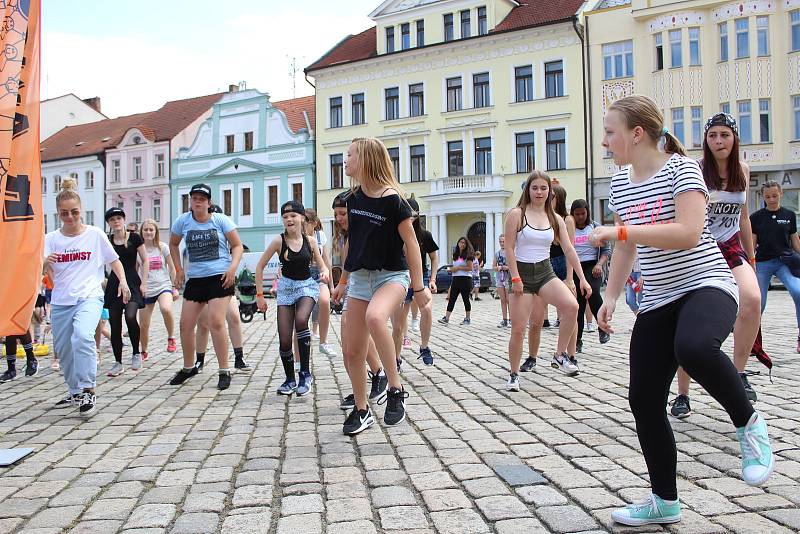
426	246
373	239
773	228
128	254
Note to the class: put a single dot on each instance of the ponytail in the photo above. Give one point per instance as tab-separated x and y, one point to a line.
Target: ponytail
672	144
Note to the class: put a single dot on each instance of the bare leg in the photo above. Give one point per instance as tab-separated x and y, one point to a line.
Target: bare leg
425	323
190	311
399	327
384	302
234	325
535	327
748	320
521	307
354	345
217	309
165	301
201	337
555	292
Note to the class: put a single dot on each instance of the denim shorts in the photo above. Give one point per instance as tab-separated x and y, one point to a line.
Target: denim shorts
559	264
426	281
290	291
362	284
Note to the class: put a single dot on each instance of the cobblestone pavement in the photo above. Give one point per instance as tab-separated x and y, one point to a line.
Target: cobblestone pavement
471	458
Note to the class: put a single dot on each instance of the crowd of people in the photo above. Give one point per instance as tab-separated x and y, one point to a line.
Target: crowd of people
694	266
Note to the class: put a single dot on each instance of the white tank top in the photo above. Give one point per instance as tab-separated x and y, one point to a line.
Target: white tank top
533	244
724	213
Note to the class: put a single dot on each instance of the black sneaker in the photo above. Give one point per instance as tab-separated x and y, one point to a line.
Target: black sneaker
503	323
425	354
68	401
579	346
680	407
379	384
87	403
546	323
605	337
241	365
748	389
288	387
466	321
198	364
399	365
183	375
224	381
32	367
395	406
528	365
358	421
445	320
348	403
9	375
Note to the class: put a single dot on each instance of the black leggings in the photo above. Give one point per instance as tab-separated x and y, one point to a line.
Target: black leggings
461	285
595	301
686	333
115	322
293	319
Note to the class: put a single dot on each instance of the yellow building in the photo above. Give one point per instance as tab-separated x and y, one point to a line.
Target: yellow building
468	96
697	58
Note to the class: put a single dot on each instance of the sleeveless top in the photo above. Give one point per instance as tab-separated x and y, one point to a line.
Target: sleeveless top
295	265
533	244
724	213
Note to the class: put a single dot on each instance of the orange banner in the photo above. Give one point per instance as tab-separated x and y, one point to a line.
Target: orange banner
21	220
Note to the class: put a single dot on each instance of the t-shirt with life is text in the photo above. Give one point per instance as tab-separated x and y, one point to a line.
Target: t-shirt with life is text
206	244
374	242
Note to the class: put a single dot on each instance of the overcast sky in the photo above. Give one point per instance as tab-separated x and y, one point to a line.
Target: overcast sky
137	55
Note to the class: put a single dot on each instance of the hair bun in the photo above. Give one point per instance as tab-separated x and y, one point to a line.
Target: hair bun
69	184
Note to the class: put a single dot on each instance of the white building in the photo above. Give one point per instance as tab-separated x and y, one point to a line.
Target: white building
67	110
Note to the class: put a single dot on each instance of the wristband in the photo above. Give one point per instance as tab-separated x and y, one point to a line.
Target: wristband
516	279
622	233
420	290
260	295
751	261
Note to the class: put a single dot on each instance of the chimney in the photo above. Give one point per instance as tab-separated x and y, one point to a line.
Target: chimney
93	103
234	87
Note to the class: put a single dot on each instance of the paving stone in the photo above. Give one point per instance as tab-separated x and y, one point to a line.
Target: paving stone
527	525
302	489
788	517
93	527
392	496
435	480
347	510
447	499
485	487
541	496
502	507
750	523
565	518
54	517
151	515
519	475
300	524
247	523
389	477
403	518
464	521
302	504
350	527
252	496
193	523
594	498
205	502
110	509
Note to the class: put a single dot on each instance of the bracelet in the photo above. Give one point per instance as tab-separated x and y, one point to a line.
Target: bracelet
516	279
751	261
622	233
420	290
261	295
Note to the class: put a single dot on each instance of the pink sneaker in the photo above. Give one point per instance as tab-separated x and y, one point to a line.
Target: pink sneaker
171	345
145	355
406	342
54	365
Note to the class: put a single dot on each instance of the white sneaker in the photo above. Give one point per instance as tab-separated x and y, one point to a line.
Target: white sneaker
116	370
590	327
325	348
136	362
415	325
562	363
513	382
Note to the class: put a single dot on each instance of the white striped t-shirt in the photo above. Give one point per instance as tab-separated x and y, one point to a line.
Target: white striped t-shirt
670	274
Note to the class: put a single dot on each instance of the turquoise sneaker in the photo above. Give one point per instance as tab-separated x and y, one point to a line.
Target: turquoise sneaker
757	459
653	511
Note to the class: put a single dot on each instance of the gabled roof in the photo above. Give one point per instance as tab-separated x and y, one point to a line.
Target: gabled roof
96	137
294	108
527	14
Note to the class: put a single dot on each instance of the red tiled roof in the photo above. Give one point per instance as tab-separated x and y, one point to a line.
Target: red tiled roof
160	125
294	108
525	15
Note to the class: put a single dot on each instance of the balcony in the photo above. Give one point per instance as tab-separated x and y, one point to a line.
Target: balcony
467	184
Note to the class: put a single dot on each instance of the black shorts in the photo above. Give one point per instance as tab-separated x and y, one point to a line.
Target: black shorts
206	288
40	301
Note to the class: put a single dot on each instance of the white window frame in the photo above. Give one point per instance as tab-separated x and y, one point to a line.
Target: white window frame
694	47
245	221
116	170
675	45
272	217
746	33
137	210
745	139
222	189
724	41
762	32
89	217
761	114
297	179
135	167
678	117
794	24
89	185
697	126
156	205
612	50
796	114
162	172
514	82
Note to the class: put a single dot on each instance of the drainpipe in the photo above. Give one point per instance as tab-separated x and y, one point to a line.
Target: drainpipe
589	193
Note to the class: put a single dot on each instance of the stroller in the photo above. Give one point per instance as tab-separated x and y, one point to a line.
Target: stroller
246	287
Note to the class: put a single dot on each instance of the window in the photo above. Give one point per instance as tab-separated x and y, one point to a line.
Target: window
794	22
90	218
745	123
392	103
483	155
725	107
297	192
74	176
56	183
229	144
44	187
554	79
394	155
523	83
556	149
89	179
44	219
184	202
697	127
416	100
227	202
115	172
762	35
525	152
337	171
336	112
405	36
694	46
658	41
742	38
137	211
389	39
618	60
137	168
454	94
121	205
357	108
796	109
245	199
248	141
56	222
763	120
483	26
675	49
420	33
723	41
448	27
272	198
465	32
480	90
157	209
677	125
455	158
160	166
417	163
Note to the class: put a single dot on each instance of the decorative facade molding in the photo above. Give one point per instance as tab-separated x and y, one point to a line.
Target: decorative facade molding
681	19
758	155
764	75
723	82
614	90
793	72
794	152
744	9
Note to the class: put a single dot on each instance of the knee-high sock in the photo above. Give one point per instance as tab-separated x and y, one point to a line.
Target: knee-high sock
287	359
304	344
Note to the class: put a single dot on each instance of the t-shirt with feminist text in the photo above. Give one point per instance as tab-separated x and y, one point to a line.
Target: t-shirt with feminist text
206	244
773	230
670	274
374	242
79	271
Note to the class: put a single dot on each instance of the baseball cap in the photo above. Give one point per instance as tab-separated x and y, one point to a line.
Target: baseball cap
293	206
340	201
203	189
113	212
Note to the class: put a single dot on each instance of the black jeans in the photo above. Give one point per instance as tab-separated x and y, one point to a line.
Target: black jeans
461	285
686	333
595	300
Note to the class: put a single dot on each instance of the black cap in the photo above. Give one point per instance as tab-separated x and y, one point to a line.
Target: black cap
113	212
340	201
722	119
203	189
214	209
293	206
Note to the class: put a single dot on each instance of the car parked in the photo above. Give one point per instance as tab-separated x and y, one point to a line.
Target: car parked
444	278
